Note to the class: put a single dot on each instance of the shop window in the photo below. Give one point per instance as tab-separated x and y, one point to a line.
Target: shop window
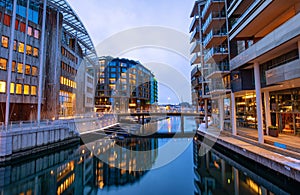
15	45
17	25
34	71
3	64
2	86
36	34
5	41
6	20
28	49
35	52
20	68
29	31
19	89
22	27
27	69
21	47
26	89
12	88
33	90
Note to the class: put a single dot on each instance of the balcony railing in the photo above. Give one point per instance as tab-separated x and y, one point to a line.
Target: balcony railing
195	18
213	15
218	85
216	50
193	35
212	33
222	67
195	56
194	47
207	5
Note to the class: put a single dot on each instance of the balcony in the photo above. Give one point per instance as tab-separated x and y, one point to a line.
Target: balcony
196	71
218	70
214	19
217	87
195	59
212	5
195	35
195	47
216	54
195	23
215	37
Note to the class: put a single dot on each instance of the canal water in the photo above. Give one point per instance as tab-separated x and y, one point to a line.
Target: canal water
141	166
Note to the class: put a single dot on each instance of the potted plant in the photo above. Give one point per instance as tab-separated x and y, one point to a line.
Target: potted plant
273	131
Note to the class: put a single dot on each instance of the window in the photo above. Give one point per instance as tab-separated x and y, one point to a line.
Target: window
21	47
15	45
20	68
12	88
2	86
17	25
28	50
19	89
26	89
35	52
29	31
22	27
33	90
27	69
13	66
3	64
34	71
6	20
5	41
36	34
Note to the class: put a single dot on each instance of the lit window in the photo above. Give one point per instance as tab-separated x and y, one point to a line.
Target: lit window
5	41
21	47
27	69
35	52
29	31
17	25
6	20
22	27
19	89
14	66
26	89
12	88
62	80
20	68
15	45
34	71
28	50
3	64
36	34
33	90
2	86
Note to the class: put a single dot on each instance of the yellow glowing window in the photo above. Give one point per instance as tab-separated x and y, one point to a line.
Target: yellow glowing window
61	80
35	52
21	47
28	49
34	71
14	66
33	90
20	68
5	41
3	64
12	88
27	69
2	86
112	81
26	89
112	87
19	89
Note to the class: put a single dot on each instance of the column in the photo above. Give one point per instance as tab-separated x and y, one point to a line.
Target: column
57	63
299	47
25	40
236	181
41	68
258	103
221	111
233	114
10	59
267	111
206	113
223	172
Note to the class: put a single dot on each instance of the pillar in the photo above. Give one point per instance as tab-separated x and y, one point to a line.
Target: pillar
223	172
233	114
267	111
299	47
221	111
10	59
41	60
236	181
206	113
25	40
182	123
259	113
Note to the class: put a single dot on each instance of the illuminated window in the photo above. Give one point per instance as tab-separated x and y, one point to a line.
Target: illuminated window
6	20
2	86
33	90
21	47
3	64
27	69
15	45
28	49
35	52
5	41
62	80
29	31
12	88
17	25
14	66
34	71
20	68
19	89
26	89
36	34
22	27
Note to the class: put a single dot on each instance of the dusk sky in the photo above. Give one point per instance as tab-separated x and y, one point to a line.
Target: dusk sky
109	20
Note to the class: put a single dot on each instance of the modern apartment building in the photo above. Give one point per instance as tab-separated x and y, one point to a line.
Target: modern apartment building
42	46
265	66
211	75
124	85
